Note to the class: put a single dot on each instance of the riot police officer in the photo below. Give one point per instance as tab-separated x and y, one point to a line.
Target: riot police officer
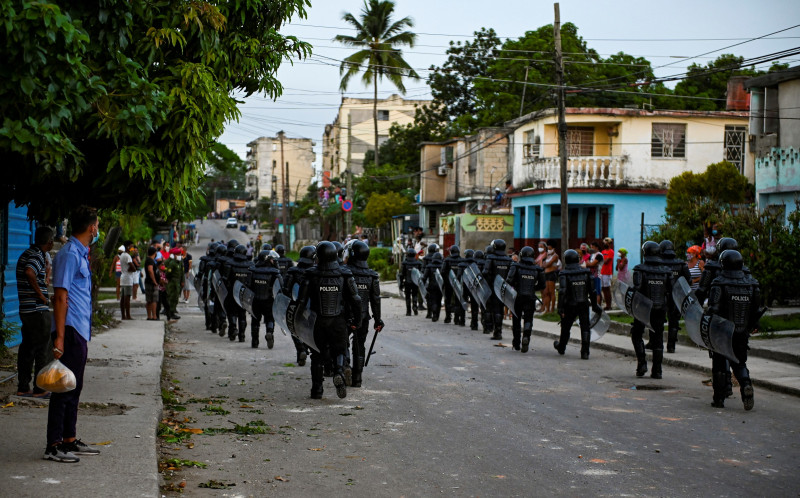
713	268
487	318
202	280
434	291
480	262
450	262
406	284
238	270
466	261
430	251
263	276
333	296
497	264
678	269
294	275
734	296
654	281
526	277
215	265
284	262
369	290
576	293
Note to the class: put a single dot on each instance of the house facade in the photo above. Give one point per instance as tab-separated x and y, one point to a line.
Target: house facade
264	177
620	162
775	134
352	133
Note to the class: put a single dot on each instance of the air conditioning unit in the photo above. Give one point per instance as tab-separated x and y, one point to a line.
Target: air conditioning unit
442	171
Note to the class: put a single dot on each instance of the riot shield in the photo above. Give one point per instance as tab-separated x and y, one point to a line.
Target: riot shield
243	296
219	288
598	323
416	279
476	284
280	305
458	289
439	280
276	288
301	322
705	330
399	287
634	303
505	293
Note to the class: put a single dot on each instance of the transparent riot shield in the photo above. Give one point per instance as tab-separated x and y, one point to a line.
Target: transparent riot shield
634	303
301	321
440	280
243	296
280	305
416	279
705	330
458	290
219	288
474	281
505	293
598	323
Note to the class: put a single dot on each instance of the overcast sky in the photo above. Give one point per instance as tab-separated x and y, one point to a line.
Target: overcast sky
662	32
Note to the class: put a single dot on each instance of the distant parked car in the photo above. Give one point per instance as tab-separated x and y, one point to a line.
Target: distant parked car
232	223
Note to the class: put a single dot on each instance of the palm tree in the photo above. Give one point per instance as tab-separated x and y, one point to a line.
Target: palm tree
377	36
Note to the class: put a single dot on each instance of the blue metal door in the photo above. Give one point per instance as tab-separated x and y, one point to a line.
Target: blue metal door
17	235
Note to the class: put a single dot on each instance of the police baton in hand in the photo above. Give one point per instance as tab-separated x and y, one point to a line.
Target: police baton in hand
372	345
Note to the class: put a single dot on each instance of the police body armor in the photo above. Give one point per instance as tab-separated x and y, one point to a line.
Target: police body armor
330	299
431	269
450	262
365	279
284	264
576	282
527	278
408	265
240	270
262	279
736	299
499	265
706	330
653	283
710	271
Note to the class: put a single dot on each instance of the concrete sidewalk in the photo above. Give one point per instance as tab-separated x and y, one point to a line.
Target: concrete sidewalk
774	363
120	409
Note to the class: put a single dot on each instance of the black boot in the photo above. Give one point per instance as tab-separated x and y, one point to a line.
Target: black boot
718	383
728	384
316	381
301	358
746	388
338	377
358	367
270	336
447	317
232	333
558	347
658	356
585	336
254	333
348	370
672	338
641	358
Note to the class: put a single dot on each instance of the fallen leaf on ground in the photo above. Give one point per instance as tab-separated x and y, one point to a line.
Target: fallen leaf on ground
315	449
597	460
501	345
8	405
279	478
245	406
499	477
192	430
104	443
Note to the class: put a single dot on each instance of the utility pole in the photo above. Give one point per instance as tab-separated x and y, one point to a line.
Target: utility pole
524	87
348	217
562	131
285	186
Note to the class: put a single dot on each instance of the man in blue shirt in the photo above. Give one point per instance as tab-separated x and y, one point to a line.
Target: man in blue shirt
72	316
34	312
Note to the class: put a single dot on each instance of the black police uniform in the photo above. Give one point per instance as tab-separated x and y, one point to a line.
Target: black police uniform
736	296
218	317
450	262
203	279
474	307
576	293
679	269
497	263
369	290
434	292
431	250
294	275
406	284
333	296
239	270
526	277
653	280
480	262
263	275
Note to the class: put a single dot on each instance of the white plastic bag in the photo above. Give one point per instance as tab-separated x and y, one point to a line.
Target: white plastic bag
56	377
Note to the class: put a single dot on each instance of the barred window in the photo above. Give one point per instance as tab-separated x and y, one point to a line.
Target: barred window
383	115
668	140
580	141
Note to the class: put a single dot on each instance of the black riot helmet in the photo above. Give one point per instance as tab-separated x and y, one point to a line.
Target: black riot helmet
240	252
262	256
232	245
731	260
651	250
433	249
469	253
437	256
571	257
489	250
359	251
526	252
210	248
499	246
479	254
411	253
339	249
307	255
455	250
726	243
267	247
280	250
326	254
219	251
667	249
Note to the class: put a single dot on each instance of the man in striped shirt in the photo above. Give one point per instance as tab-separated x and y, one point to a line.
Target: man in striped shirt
34	312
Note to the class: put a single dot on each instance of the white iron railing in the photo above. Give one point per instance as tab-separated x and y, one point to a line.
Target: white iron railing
582	171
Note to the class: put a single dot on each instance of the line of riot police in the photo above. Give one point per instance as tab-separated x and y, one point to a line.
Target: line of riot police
320	301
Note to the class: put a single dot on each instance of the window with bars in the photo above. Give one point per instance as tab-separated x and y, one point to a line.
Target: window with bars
532	144
383	115
580	141
735	136
668	140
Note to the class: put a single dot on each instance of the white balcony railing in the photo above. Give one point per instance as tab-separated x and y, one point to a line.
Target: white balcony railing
582	171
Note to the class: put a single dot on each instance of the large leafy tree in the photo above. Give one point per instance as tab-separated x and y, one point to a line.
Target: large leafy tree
711	82
377	37
117	103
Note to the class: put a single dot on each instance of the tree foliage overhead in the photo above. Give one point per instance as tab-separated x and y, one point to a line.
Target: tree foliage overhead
117	103
381	208
710	81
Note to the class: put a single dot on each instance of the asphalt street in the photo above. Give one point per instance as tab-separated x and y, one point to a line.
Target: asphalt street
445	410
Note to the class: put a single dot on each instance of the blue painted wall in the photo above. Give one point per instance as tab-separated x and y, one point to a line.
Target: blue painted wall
624	208
17	235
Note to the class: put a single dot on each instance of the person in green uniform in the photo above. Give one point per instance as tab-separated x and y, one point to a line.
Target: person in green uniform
175	280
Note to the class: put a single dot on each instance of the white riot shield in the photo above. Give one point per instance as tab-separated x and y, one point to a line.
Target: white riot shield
599	323
634	303
474	281
439	280
505	293
416	278
458	290
221	291
243	296
706	330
